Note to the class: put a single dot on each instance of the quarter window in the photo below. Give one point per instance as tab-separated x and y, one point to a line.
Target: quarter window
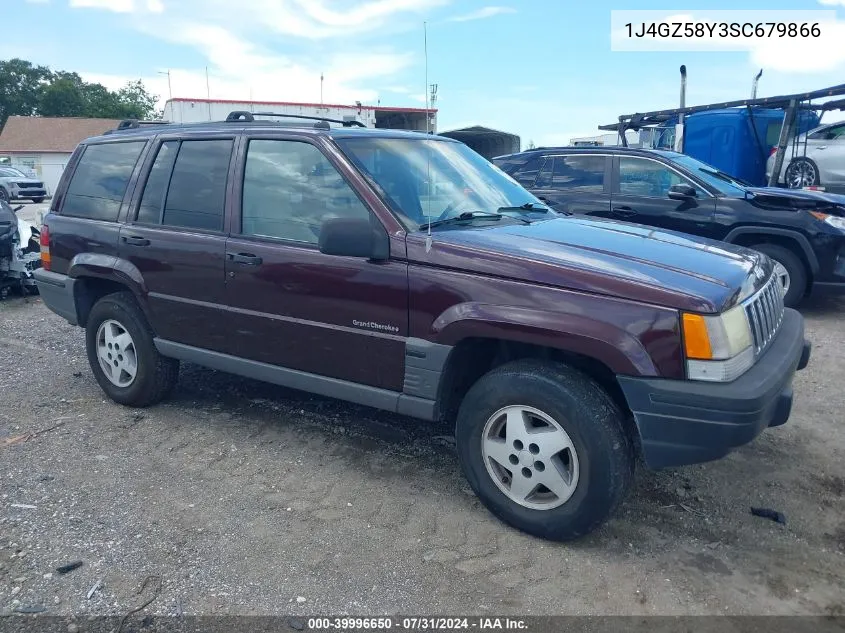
290	189
648	178
100	180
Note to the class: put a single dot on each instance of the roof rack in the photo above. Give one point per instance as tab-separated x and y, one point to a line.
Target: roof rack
134	124
321	122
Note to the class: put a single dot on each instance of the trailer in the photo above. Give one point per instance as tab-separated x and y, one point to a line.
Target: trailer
798	109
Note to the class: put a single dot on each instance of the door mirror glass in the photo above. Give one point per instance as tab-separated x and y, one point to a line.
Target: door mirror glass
681	192
354	237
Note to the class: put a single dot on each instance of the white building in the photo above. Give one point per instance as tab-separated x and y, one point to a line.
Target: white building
607	140
197	110
41	146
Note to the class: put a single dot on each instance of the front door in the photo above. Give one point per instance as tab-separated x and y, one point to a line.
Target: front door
175	238
577	183
293	306
641	195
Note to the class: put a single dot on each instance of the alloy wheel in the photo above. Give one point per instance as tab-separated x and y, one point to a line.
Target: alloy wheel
530	457
116	353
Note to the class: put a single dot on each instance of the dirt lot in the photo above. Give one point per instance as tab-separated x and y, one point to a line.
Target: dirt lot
245	498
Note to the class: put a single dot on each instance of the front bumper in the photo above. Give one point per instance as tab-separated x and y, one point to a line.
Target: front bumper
687	422
28	194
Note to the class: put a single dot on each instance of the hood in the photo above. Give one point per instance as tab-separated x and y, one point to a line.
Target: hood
609	257
798	199
26	180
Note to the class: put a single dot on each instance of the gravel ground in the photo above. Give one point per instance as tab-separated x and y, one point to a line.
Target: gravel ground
245	498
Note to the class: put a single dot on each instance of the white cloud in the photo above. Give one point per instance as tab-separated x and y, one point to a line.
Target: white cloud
833	3
155	6
485	12
118	6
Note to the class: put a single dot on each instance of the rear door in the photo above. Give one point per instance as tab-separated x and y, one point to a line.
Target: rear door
175	237
577	183
641	195
343	317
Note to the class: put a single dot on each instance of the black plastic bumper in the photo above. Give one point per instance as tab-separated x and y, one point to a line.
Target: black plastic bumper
56	292
687	422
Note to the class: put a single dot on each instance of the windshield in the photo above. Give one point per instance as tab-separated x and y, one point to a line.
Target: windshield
428	180
11	172
723	183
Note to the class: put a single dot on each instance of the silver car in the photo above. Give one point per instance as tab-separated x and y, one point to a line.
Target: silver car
824	162
16	185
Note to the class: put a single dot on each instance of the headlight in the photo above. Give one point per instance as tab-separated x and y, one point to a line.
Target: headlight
718	348
834	220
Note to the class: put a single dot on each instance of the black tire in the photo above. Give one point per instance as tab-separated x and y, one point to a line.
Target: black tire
588	415
156	375
4	195
801	163
798	276
38	200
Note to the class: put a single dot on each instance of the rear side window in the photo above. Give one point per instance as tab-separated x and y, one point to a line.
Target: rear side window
100	180
580	174
152	202
186	186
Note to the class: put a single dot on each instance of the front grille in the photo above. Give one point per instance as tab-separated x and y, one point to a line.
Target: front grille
765	314
31	185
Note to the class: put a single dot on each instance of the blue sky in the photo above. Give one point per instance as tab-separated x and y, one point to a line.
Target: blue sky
542	69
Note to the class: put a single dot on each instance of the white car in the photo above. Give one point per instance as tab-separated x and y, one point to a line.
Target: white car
822	165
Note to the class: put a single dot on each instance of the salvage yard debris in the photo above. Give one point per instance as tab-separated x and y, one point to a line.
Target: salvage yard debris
768	513
25	437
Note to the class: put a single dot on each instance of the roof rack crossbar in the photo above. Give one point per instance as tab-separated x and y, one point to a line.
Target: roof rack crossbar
249	117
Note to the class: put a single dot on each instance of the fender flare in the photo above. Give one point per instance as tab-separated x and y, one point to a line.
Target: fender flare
620	352
802	241
109	268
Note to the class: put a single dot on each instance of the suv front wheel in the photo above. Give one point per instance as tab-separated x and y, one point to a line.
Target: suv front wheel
122	354
543	447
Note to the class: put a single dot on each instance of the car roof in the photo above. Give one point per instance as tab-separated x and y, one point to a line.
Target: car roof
148	130
572	149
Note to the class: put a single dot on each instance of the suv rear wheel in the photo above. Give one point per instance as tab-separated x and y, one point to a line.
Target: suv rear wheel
543	447
123	356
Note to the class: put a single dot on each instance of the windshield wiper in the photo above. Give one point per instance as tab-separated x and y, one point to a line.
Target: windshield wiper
466	216
528	206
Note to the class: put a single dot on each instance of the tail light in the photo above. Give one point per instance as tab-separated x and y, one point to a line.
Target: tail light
45	247
773	150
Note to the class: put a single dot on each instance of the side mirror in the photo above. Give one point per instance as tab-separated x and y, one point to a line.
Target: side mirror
681	192
354	237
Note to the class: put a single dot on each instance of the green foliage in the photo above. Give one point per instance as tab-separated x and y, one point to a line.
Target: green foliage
27	90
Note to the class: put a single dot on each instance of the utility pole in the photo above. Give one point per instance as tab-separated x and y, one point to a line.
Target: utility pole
321	88
169	87
208	92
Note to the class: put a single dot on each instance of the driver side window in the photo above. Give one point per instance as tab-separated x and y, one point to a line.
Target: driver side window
649	179
290	189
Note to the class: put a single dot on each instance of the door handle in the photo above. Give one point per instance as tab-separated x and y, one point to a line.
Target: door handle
245	258
136	241
624	212
822	147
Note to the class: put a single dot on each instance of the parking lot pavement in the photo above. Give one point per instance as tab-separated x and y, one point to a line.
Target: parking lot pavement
32	212
250	499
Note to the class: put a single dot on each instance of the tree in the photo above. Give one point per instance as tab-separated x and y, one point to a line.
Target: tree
21	84
531	144
137	102
35	90
63	96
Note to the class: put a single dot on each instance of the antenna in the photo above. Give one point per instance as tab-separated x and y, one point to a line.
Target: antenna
321	88
428	131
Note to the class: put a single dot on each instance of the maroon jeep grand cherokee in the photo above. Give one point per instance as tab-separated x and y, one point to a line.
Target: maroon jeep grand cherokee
404	271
